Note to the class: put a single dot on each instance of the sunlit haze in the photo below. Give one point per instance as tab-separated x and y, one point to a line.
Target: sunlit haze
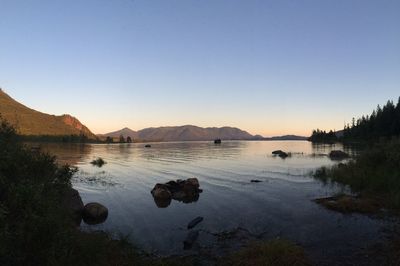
268	67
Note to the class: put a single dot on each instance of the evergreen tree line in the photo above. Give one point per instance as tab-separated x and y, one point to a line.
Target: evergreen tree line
383	123
323	136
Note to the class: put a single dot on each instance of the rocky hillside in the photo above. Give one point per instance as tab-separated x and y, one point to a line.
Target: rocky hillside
33	123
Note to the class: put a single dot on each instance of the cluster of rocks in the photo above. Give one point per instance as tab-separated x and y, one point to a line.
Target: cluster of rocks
91	213
185	191
280	153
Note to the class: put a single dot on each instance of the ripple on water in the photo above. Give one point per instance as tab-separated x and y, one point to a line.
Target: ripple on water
279	206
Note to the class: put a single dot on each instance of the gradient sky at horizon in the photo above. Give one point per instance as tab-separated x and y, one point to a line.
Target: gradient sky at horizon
268	67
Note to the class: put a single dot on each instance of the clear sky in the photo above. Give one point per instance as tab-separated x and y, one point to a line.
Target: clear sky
268	67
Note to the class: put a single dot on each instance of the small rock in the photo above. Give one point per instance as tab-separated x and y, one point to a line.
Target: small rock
162	203
94	213
255	181
193	182
280	153
160	192
217	141
195	222
190	239
147	146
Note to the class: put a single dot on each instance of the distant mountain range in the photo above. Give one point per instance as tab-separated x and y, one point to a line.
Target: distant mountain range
182	133
191	133
33	123
29	122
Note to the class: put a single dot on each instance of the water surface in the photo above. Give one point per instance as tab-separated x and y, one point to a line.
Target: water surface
279	206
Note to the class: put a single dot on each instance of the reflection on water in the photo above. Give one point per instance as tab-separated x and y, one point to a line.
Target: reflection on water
280	205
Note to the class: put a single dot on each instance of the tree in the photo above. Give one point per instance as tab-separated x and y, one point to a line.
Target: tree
109	140
128	139
121	139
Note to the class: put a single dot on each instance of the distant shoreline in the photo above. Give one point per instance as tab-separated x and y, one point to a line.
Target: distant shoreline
40	140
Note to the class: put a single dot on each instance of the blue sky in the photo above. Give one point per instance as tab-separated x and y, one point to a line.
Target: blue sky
269	67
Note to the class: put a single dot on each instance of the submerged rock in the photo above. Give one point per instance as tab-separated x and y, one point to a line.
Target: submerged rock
338	155
94	213
348	204
190	239
195	222
255	181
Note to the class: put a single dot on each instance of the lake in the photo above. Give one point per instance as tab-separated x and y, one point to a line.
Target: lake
232	206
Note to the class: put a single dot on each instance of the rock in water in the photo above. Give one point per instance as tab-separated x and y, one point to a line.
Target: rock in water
255	181
186	191
73	202
195	222
162	203
190	239
94	213
280	153
277	152
160	191
338	155
193	182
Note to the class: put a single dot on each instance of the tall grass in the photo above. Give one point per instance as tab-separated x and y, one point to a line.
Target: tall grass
376	171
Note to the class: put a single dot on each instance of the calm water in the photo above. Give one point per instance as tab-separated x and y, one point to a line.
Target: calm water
281	205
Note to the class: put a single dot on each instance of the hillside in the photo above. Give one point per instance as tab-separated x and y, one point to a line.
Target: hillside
183	133
33	123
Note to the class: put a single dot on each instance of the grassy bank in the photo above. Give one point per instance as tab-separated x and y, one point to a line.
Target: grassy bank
375	173
274	252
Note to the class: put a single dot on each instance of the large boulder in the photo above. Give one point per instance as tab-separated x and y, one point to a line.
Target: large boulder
73	202
94	213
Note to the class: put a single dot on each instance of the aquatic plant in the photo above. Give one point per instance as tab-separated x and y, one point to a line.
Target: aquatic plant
99	162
